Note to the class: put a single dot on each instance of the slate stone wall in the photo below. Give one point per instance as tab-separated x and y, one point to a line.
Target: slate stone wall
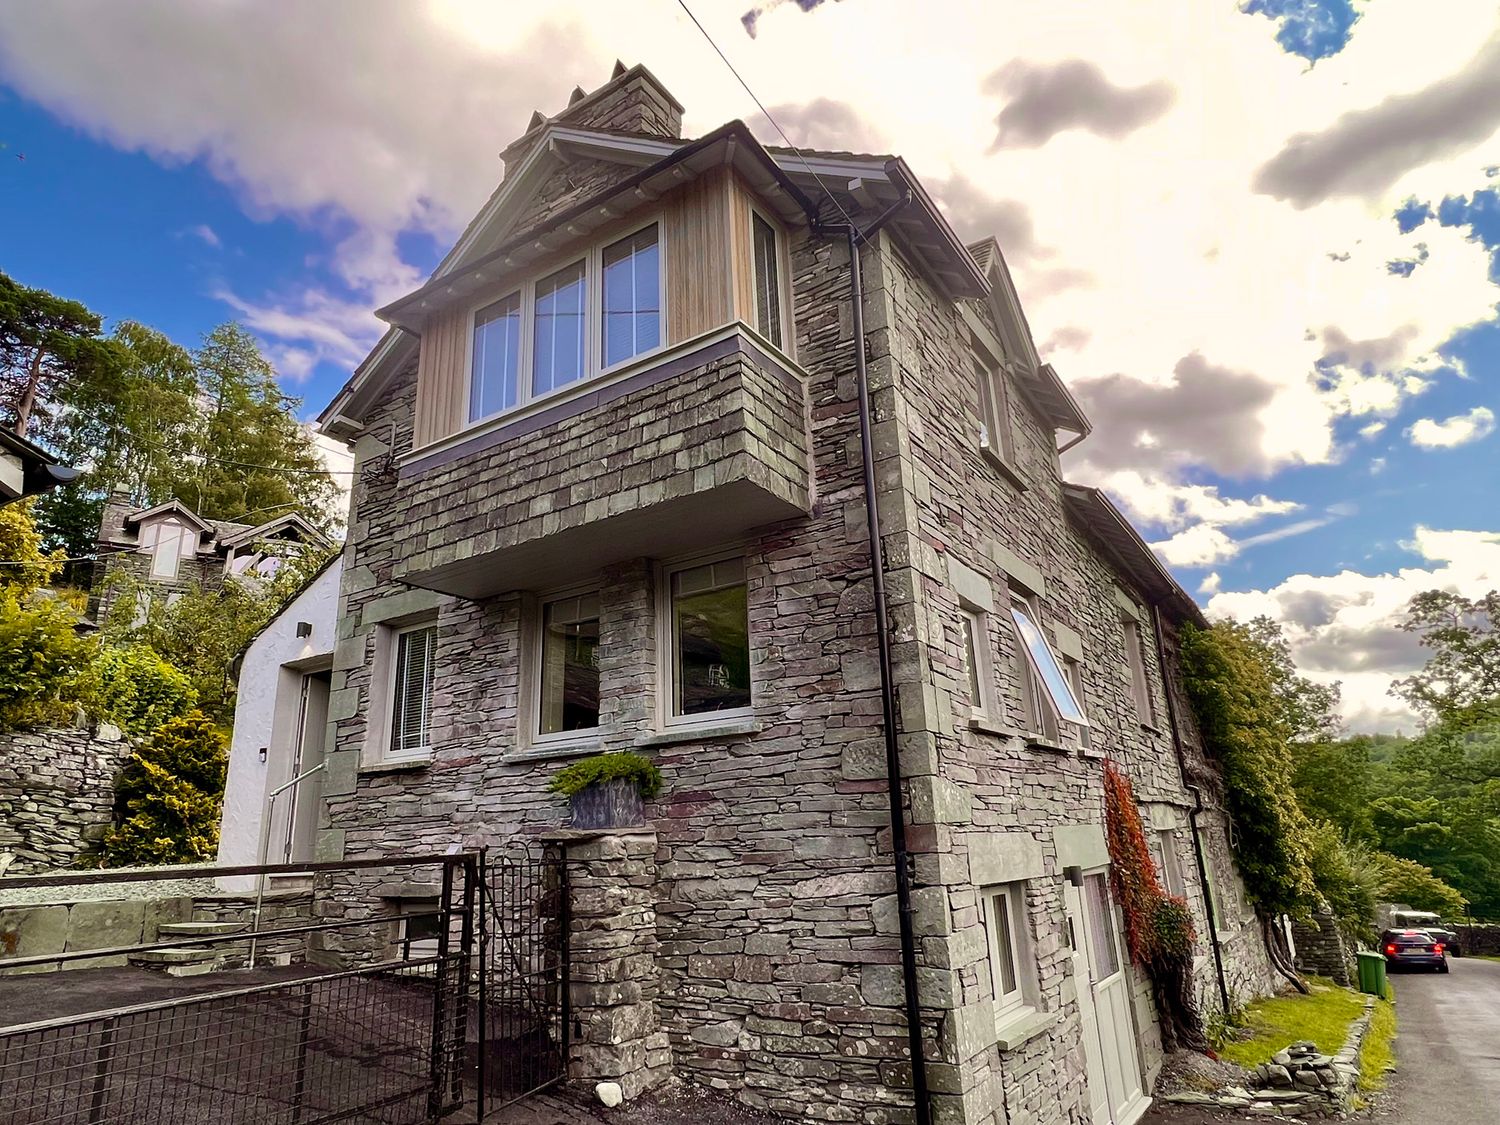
1321	948
56	794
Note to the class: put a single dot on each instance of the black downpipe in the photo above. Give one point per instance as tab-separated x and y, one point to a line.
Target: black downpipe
1202	862
900	856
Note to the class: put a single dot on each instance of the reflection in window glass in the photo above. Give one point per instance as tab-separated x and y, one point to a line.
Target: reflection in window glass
558	346
767	280
1044	663
570	665
493	384
632	288
710	638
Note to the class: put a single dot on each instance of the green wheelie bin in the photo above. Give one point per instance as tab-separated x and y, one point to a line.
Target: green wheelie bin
1371	972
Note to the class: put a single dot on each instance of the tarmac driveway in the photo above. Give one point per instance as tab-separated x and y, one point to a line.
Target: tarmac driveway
1447	1045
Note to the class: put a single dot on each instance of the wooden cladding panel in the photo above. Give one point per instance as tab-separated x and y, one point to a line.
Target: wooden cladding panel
442	381
697	225
742	260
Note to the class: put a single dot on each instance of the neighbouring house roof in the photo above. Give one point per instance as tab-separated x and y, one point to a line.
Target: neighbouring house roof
333	560
221	535
1096	513
289	521
27	469
176	507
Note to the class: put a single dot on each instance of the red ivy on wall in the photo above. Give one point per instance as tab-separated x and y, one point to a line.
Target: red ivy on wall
1158	928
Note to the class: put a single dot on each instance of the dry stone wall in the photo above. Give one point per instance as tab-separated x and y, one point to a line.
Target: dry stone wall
57	794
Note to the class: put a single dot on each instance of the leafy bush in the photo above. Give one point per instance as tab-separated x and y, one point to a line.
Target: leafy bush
595	770
1406	880
26	568
1345	878
136	689
168	796
41	653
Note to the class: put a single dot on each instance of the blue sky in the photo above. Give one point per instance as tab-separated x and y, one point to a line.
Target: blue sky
1279	307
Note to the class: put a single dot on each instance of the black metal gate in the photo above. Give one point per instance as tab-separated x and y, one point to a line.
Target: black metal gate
523	980
382	1044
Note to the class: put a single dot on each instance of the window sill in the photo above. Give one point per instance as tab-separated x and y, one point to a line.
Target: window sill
1005	469
671	736
1017	1028
545	752
995	727
396	765
1151	728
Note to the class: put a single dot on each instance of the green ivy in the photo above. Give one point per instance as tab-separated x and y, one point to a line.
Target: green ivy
574	779
1231	682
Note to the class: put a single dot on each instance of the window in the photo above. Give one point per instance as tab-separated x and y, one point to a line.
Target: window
569	666
495	378
1102	935
995	433
1140	686
976	641
1074	671
1225	908
709	664
419	936
767	279
169	542
411	706
632	297
1045	691
1004	924
1164	855
557	329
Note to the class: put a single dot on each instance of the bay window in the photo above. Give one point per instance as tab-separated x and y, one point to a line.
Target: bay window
568	326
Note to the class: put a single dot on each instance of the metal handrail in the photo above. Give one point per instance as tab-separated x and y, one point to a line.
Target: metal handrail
265	843
213	871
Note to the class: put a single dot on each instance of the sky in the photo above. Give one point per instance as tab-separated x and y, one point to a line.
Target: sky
1259	240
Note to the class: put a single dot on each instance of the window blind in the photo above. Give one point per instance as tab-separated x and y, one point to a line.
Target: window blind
415	650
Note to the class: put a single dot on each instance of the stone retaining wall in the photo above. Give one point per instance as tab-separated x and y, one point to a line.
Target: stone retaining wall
32	931
1321	949
56	794
1483	937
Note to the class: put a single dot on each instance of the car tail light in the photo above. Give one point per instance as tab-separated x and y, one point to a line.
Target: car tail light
1390	951
1438	948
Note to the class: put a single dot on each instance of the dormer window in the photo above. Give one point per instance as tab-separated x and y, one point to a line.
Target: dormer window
169	542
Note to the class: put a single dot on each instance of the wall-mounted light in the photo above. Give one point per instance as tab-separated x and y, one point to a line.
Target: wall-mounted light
1074	875
263	750
304	628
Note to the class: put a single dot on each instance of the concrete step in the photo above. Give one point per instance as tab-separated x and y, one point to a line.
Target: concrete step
198	929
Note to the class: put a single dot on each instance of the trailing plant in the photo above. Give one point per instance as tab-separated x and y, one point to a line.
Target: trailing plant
596	770
168	796
1158	927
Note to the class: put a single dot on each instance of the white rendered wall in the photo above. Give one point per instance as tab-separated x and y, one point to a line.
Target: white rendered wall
265	713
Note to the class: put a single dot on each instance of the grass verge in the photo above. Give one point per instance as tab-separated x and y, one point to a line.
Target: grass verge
1322	1018
1378	1053
1482	956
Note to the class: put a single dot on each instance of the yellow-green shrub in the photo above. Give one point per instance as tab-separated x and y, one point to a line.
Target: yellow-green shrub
136	689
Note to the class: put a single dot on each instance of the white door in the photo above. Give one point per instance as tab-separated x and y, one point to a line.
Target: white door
307	752
1116	1093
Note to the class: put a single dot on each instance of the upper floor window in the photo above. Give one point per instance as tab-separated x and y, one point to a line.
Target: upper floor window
1046	693
590	315
411	696
708	665
169	542
767	279
974	625
1140	685
995	434
632	296
569	680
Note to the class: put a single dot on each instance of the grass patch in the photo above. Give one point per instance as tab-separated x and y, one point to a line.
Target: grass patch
1482	956
1322	1018
1378	1054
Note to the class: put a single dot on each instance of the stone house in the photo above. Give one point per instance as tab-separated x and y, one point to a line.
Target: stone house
173	549
610	495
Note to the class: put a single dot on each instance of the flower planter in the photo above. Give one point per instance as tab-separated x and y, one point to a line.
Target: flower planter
608	804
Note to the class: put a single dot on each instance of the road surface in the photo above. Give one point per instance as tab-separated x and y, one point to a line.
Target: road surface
1447	1045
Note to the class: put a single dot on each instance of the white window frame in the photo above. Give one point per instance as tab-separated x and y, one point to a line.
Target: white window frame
1073	669
978	661
387	743
565	738
998	437
1043	712
1008	1005
593	351
783	280
1140	679
666	648
1164	852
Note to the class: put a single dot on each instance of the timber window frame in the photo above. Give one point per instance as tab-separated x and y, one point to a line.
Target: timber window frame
578	601
974	635
591	259
1012	965
1047	698
773	324
1140	680
673	713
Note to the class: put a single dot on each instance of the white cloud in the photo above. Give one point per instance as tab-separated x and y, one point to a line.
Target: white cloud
1199	545
1211	584
1343	626
205	234
1460	429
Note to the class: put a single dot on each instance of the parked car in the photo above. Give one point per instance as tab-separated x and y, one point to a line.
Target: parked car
1413	948
1426	920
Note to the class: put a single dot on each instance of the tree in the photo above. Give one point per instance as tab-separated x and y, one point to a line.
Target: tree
47	343
1461	679
1335	782
168	796
248	459
133	687
23	567
1309	710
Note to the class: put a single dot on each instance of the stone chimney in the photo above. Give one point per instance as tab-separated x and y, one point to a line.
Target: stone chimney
632	101
116	508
